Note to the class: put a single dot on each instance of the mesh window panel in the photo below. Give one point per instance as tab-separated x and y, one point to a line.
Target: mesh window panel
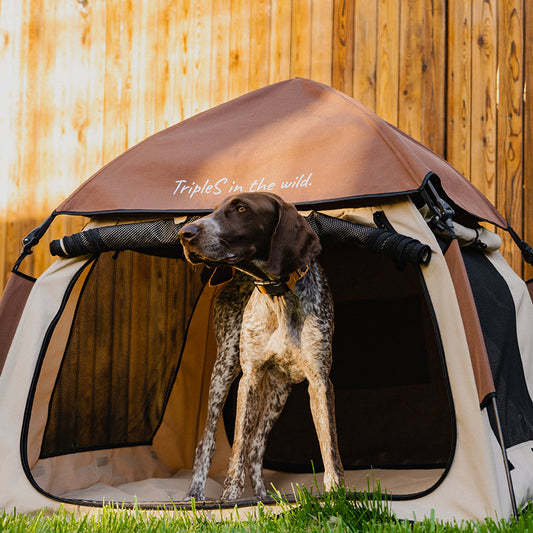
497	315
391	395
122	354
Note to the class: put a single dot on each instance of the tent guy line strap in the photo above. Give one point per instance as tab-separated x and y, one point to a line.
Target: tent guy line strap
527	251
160	237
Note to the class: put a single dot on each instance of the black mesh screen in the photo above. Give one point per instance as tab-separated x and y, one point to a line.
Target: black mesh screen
497	315
122	354
392	402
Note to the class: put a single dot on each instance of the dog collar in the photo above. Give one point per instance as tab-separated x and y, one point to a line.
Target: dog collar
282	285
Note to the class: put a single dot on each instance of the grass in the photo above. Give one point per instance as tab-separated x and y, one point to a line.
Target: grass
337	511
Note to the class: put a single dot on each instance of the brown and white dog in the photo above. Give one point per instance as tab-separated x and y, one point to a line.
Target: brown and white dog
274	321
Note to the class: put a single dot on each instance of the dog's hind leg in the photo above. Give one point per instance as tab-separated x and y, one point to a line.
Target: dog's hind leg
273	396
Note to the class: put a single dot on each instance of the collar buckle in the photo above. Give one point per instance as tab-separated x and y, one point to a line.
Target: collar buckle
283	285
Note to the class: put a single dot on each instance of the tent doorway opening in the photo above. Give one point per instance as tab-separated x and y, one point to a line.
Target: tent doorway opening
118	404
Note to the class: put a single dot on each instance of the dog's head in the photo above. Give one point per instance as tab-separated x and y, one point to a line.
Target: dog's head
258	228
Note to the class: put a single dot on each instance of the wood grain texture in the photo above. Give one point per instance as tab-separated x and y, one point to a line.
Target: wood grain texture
301	17
343	46
280	40
459	90
365	53
322	40
510	184
388	60
422	110
484	97
84	81
528	131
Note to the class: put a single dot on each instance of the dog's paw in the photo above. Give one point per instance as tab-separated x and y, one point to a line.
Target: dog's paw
197	495
261	493
231	492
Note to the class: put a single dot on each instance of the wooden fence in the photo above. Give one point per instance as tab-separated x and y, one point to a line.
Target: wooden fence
82	80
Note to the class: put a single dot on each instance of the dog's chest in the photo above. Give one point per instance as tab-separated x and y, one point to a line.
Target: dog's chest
273	333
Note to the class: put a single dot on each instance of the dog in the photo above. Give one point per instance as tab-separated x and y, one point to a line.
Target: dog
273	322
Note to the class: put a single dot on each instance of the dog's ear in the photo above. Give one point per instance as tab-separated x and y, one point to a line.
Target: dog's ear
294	243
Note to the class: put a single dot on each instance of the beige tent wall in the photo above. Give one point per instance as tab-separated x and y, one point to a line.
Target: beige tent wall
43	304
520	455
471	487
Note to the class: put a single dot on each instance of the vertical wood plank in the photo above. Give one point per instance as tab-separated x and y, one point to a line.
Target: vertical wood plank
484	96
13	18
387	62
96	45
509	192
528	131
202	55
167	74
126	100
458	147
422	78
343	45
49	123
411	22
365	53
322	40
220	51
301	39
239	48
75	118
141	311
34	56
147	96
434	77
112	83
280	40
184	97
259	44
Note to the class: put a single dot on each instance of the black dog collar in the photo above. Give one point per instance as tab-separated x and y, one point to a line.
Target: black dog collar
282	285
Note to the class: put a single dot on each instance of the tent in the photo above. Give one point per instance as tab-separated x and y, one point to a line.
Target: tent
105	358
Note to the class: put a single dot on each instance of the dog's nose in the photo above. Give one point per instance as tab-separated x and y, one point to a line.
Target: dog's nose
188	233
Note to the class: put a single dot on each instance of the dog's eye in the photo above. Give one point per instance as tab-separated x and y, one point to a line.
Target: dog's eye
241	208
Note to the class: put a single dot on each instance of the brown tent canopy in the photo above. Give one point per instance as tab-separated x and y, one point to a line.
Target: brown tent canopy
300	139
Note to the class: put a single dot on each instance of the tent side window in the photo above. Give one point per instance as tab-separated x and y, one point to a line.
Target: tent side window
122	354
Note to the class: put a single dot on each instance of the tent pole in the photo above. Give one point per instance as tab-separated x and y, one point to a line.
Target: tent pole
504	455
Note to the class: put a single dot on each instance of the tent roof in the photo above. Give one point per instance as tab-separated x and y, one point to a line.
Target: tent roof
303	140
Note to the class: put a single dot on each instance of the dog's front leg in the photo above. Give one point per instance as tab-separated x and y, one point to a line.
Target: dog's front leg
245	421
225	370
322	400
274	394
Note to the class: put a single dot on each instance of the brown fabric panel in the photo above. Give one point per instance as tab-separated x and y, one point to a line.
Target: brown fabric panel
476	344
530	288
300	139
12	304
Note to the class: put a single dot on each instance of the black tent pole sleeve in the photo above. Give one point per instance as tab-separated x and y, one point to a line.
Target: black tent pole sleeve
139	236
162	235
339	232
